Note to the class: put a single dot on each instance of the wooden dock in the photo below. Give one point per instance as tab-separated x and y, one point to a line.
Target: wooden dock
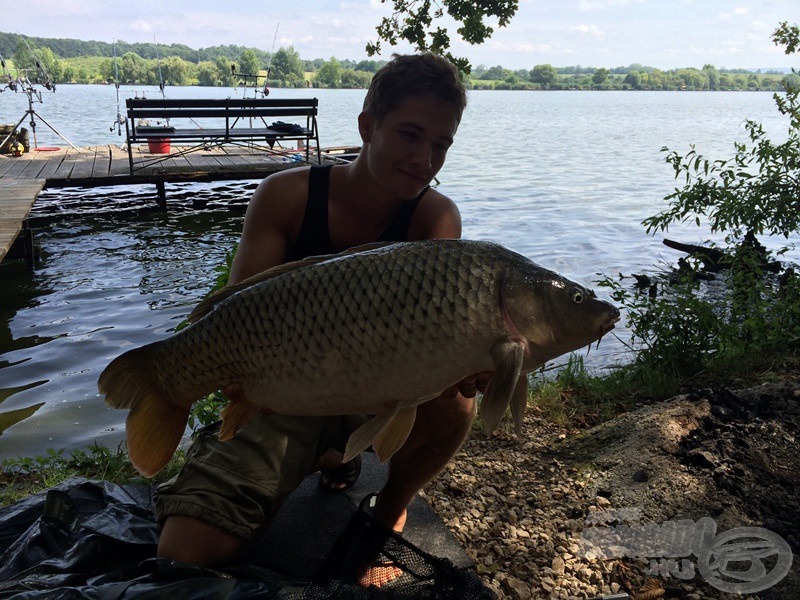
16	200
108	165
23	177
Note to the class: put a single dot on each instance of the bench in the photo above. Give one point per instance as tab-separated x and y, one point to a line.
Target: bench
224	121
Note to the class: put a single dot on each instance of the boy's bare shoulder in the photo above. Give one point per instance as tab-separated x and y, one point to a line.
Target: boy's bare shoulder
437	216
286	182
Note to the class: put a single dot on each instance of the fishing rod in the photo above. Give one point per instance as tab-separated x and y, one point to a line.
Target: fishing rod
269	64
160	78
42	73
24	85
12	83
119	122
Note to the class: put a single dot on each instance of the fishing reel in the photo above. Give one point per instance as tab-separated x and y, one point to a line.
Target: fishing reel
118	123
12	83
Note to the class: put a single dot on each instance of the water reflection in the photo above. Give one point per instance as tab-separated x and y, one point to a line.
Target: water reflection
105	283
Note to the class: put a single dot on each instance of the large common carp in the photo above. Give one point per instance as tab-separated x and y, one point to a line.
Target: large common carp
376	330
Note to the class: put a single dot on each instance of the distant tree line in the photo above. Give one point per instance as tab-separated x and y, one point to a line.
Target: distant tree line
633	77
75	61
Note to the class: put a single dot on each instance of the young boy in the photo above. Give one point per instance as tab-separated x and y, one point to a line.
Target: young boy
228	492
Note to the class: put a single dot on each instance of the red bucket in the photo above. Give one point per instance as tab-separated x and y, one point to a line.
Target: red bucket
158	145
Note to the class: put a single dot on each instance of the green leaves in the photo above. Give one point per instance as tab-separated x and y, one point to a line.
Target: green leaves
412	22
748	313
757	189
788	36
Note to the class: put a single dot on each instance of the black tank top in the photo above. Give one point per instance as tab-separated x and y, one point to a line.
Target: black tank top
314	238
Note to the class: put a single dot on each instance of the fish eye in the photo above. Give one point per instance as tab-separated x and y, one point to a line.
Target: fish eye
577	296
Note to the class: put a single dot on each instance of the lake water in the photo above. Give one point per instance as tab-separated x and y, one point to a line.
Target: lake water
562	177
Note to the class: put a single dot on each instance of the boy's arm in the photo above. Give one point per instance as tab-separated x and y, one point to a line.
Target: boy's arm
436	217
272	220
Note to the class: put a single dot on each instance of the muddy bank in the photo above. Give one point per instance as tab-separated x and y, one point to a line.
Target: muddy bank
553	516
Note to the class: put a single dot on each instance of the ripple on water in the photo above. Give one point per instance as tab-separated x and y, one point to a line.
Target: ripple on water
104	285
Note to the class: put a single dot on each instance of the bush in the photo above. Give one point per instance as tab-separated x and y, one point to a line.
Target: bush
751	311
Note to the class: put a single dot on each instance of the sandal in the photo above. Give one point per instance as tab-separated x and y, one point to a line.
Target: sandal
369	556
341	478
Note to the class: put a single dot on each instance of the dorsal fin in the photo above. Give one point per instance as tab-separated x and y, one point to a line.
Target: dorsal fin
209	302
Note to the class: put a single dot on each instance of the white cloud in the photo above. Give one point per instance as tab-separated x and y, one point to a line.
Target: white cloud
589	30
140	26
598	5
739	11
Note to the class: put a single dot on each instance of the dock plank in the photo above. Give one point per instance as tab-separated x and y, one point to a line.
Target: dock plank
17	167
51	165
84	164
108	165
64	170
119	162
6	163
22	178
16	200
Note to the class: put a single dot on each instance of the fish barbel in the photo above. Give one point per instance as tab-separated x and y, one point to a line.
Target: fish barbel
376	330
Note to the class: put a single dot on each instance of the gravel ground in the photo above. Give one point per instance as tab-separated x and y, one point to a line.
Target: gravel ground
527	510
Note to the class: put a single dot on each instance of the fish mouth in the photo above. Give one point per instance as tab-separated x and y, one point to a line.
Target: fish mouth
607	326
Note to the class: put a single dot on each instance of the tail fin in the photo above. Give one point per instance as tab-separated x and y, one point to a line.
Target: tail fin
154	425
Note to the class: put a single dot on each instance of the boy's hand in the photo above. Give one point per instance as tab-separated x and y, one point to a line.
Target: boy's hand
469	386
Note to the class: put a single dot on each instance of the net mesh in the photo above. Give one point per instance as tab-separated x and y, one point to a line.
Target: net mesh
370	561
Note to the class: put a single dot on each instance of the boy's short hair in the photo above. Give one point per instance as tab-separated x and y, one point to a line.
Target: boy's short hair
414	75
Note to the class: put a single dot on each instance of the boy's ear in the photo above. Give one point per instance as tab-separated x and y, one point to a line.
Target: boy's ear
366	125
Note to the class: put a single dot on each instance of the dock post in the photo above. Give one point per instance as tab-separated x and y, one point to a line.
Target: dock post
162	195
27	243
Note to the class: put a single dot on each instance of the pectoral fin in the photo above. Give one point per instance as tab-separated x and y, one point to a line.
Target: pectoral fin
395	434
235	415
508	357
519	400
362	437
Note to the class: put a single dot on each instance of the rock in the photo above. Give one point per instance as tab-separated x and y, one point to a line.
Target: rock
547	584
700	458
456	489
603	501
573	525
558	565
516	589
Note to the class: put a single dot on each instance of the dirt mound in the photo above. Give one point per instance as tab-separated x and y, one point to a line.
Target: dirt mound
706	465
728	456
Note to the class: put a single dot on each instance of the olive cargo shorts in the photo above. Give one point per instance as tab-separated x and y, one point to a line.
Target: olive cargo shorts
239	485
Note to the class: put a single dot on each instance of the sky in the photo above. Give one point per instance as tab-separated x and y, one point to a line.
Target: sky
665	34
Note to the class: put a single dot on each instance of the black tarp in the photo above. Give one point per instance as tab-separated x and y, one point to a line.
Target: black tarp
89	539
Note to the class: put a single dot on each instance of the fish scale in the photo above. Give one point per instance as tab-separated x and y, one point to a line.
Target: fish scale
377	330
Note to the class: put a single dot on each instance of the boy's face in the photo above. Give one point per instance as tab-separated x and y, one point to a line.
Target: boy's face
408	147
